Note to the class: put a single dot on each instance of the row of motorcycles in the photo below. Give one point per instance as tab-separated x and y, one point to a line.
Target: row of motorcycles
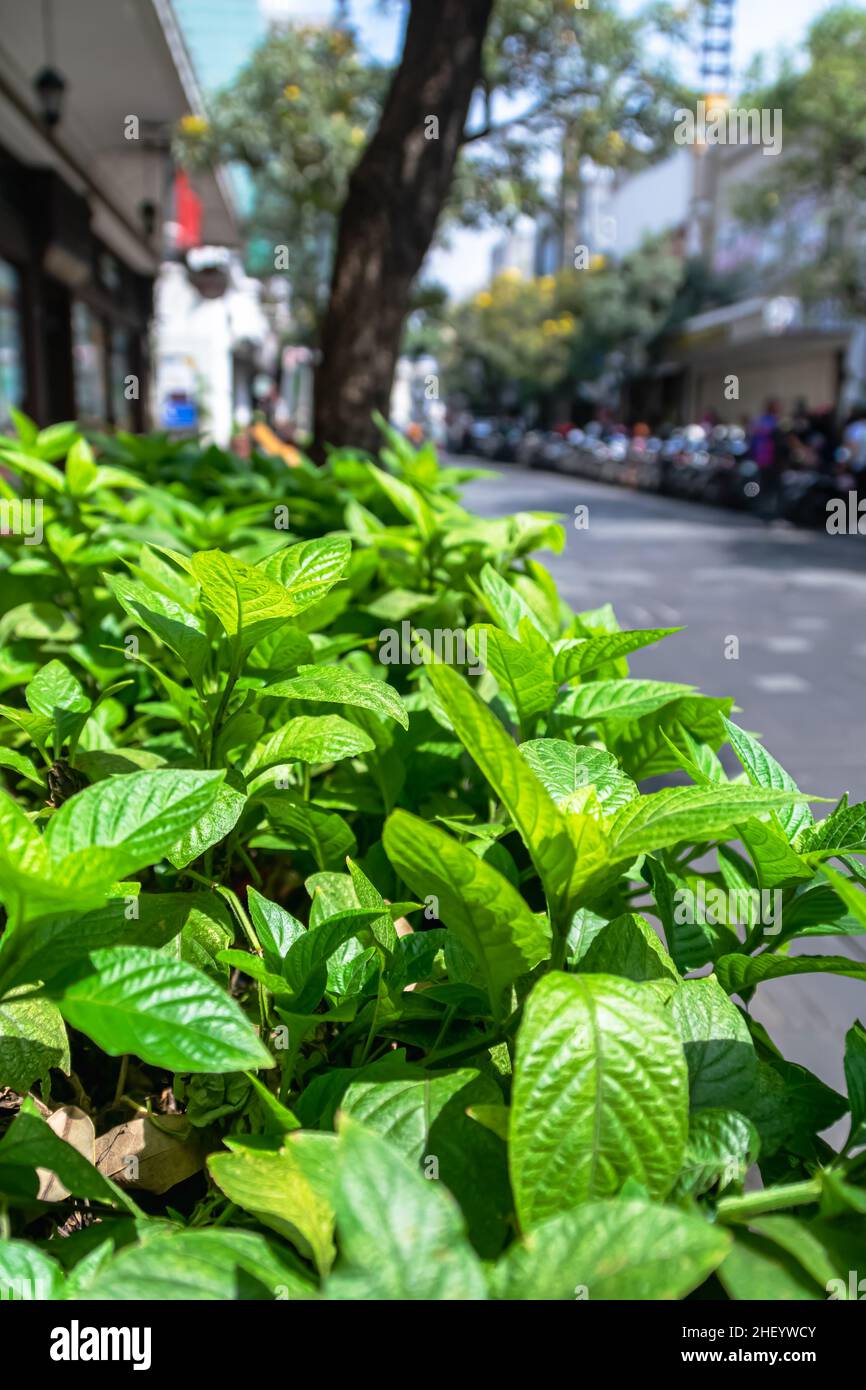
711	464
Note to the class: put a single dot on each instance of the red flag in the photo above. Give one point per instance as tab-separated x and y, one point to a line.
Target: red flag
187	212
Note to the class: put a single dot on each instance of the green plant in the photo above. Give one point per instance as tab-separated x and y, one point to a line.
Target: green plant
337	977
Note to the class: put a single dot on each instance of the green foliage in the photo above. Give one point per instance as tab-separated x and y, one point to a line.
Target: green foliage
409	951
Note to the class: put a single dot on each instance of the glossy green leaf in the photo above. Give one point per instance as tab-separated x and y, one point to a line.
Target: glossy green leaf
719	1051
289	1189
139	817
401	1237
476	902
309	739
736	973
762	770
565	770
600	1095
343	686
676	814
624	1250
131	999
32	1040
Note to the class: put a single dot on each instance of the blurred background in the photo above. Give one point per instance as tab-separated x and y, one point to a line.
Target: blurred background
261	221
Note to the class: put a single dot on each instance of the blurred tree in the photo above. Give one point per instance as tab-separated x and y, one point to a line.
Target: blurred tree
527	339
823	168
296	117
483	92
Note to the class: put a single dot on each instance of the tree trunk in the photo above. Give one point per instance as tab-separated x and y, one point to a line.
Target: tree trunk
395	196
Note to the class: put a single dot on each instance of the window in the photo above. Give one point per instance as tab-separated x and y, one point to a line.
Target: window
89	365
11	343
122	408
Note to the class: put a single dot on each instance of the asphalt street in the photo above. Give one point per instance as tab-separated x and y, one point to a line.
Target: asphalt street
795	601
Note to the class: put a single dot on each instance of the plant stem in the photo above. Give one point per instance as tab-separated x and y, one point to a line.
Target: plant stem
751	1204
121	1078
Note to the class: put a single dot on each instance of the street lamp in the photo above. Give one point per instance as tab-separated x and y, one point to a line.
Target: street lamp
50	88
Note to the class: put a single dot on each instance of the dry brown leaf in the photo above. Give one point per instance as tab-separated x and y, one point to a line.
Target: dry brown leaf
72	1125
142	1154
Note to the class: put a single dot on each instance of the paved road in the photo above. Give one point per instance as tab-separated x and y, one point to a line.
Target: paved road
796	603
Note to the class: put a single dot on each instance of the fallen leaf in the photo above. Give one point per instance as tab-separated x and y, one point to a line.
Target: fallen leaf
75	1128
155	1157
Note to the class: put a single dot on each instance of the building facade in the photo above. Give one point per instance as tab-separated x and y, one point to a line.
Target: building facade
89	96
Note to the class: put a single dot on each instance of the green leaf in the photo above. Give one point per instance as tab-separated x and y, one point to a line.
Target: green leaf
52	943
543	828
425	1116
328	837
175	626
851	896
675	814
577	657
324	738
612	1250
762	770
32	1041
214	1265
29	1144
629	947
476	902
55	690
132	999
276	929
140	817
304	965
342	686
722	1145
565	770
691	943
508	607
290	1190
855	1077
307	571
600	1095
719	1050
18	762
843	832
209	829
401	1237
244	598
28	1274
736	973
406	500
524	674
619	699
756	1269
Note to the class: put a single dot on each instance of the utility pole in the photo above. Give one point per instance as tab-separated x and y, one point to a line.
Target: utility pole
716	83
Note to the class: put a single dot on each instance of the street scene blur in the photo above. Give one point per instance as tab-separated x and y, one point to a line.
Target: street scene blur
612	251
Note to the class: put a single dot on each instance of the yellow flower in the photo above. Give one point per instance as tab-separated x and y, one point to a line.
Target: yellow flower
566	323
511	275
597	262
357	135
550	328
615	141
193	125
291	92
547	284
483	300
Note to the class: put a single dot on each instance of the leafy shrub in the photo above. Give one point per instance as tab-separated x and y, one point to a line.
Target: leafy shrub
370	943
